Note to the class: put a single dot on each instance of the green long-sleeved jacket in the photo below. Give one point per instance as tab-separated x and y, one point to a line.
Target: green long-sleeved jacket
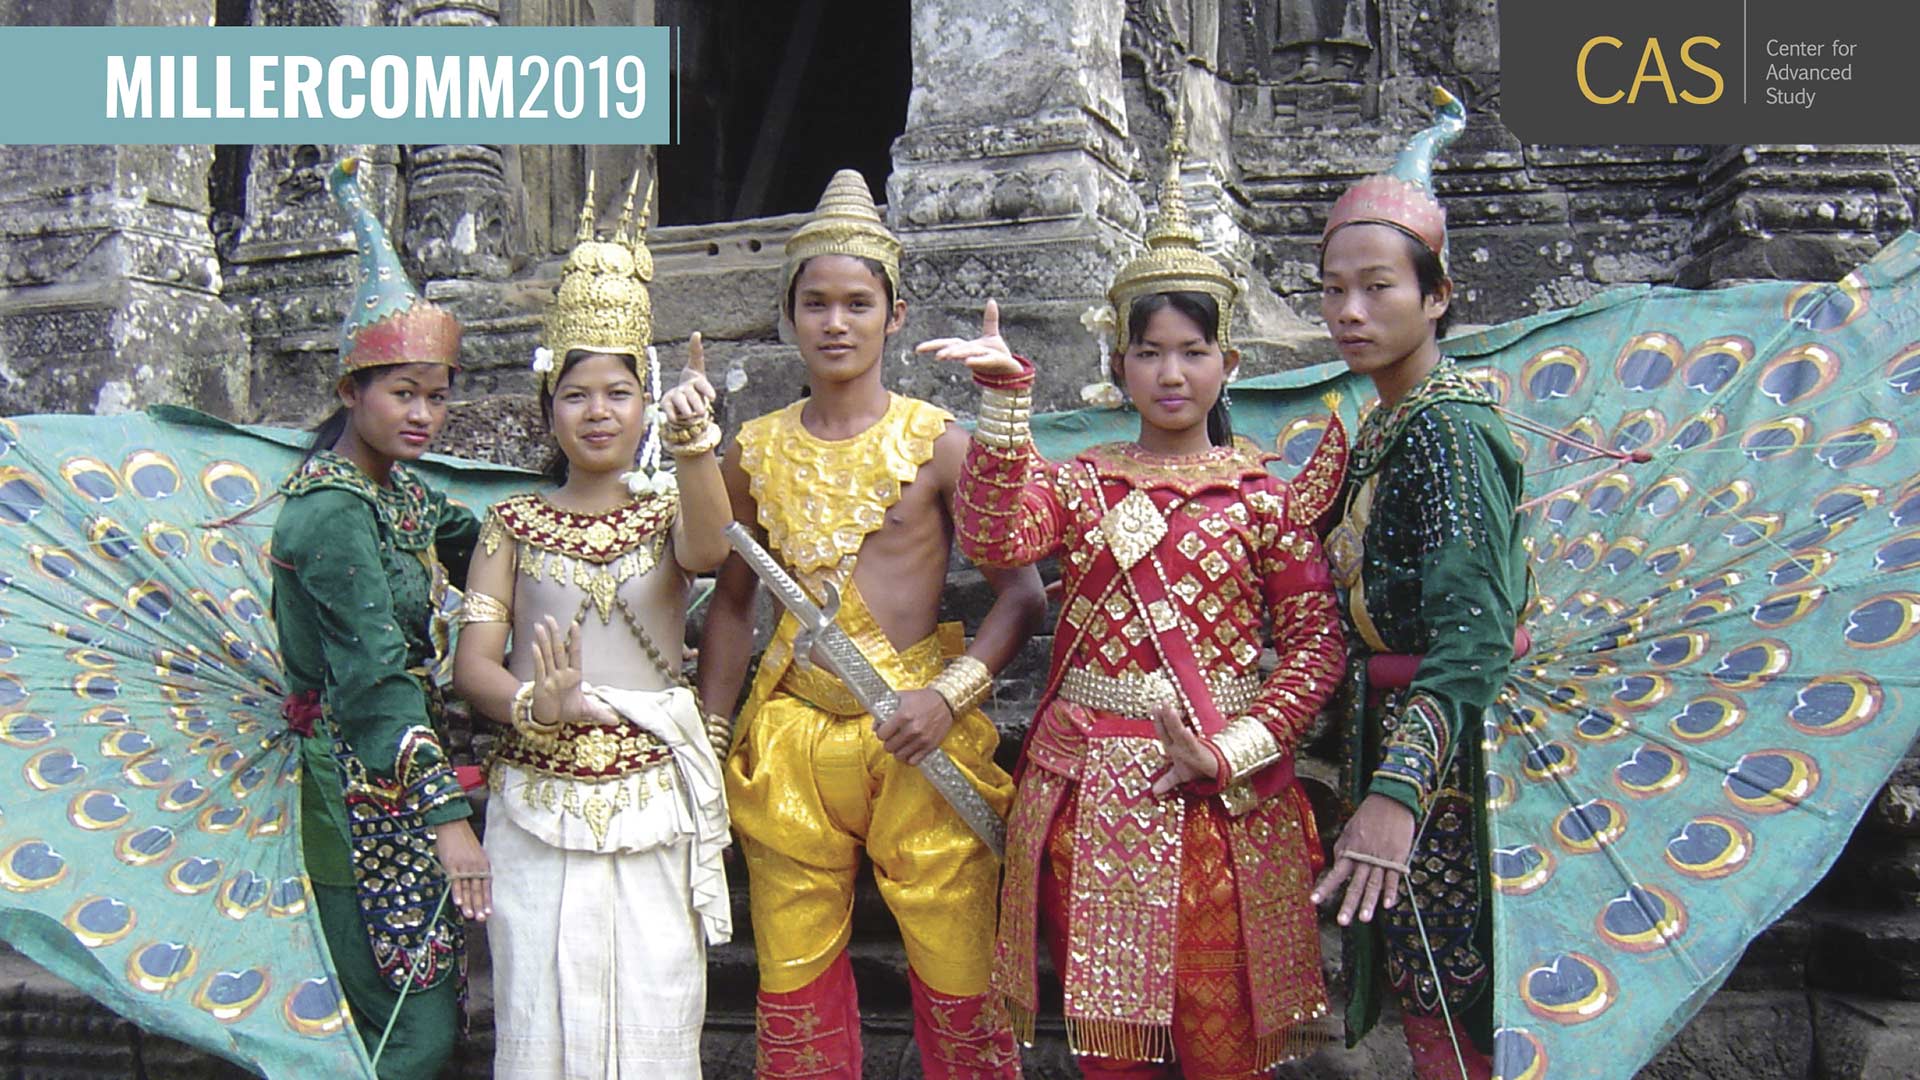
357	571
1435	570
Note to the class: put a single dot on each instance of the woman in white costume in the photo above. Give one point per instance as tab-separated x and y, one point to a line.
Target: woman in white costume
606	818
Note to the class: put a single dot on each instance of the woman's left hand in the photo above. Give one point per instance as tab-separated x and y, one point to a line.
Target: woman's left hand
468	871
1189	756
693	398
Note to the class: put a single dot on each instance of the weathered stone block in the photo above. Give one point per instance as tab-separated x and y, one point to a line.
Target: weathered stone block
1765	1034
1866	953
1777	957
1865	1039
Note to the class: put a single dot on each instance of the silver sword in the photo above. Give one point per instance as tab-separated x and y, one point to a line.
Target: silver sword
820	636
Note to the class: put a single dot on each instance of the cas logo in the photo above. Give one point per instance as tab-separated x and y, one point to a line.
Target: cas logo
1702	85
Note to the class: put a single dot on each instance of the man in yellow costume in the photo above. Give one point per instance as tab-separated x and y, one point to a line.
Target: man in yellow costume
853	488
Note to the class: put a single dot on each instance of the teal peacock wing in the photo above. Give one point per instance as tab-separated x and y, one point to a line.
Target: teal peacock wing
149	830
1723	629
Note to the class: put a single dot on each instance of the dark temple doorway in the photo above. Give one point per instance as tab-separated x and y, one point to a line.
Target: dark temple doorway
776	97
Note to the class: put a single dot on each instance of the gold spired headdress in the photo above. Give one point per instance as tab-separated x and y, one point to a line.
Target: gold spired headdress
845	223
602	305
1173	261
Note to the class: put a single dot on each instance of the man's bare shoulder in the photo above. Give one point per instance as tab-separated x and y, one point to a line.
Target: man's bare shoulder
950	454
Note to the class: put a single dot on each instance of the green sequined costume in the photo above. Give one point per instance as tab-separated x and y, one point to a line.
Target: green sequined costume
1429	553
360	571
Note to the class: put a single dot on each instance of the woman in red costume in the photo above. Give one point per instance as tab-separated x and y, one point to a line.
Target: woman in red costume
1159	840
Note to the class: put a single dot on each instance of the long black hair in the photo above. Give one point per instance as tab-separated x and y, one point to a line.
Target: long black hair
556	466
327	432
1204	310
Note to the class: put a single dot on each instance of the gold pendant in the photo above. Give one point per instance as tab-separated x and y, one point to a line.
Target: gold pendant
598	813
1132	528
1346	544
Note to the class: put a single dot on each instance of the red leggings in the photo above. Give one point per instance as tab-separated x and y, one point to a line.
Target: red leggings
815	1031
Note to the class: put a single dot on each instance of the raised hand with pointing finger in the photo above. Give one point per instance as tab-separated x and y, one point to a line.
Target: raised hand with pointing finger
692	437
690	404
985	355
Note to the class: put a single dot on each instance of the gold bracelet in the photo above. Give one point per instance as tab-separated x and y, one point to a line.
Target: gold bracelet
964	683
1248	746
719	733
690	428
1004	418
478	607
699	443
522	716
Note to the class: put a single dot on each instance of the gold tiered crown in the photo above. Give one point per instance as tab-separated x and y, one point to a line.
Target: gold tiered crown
845	223
603	305
1173	261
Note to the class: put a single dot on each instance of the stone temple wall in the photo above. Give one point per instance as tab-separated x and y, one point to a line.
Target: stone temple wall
1028	161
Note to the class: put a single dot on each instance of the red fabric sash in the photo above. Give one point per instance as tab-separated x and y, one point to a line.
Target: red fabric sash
1396	671
300	711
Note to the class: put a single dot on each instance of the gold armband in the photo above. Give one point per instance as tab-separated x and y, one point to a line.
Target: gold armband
964	683
1249	746
478	607
1004	418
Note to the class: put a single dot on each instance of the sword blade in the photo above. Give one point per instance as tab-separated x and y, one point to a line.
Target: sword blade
778	581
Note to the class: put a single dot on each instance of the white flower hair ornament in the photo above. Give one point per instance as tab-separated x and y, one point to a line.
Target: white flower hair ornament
647	478
643	484
1099	321
542	360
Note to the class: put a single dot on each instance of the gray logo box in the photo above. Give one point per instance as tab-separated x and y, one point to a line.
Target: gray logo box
1709	71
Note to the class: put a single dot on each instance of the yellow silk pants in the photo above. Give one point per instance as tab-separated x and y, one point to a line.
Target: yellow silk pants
808	785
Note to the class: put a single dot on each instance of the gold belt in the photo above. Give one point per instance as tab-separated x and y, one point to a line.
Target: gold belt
1136	695
912	667
583	751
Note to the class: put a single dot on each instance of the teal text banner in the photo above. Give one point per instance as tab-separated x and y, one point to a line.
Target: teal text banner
160	85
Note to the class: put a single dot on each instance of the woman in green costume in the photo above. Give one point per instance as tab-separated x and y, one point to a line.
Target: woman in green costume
361	556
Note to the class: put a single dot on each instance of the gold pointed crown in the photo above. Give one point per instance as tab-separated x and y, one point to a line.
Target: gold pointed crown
845	223
602	305
1173	261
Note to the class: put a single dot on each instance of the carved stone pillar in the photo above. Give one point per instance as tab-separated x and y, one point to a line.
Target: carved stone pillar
109	282
458	210
1793	212
290	269
1011	179
287	250
458	213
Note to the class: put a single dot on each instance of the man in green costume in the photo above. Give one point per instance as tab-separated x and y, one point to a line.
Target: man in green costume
1429	554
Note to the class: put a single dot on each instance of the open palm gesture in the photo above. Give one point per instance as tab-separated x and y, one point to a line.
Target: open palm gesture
558	696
